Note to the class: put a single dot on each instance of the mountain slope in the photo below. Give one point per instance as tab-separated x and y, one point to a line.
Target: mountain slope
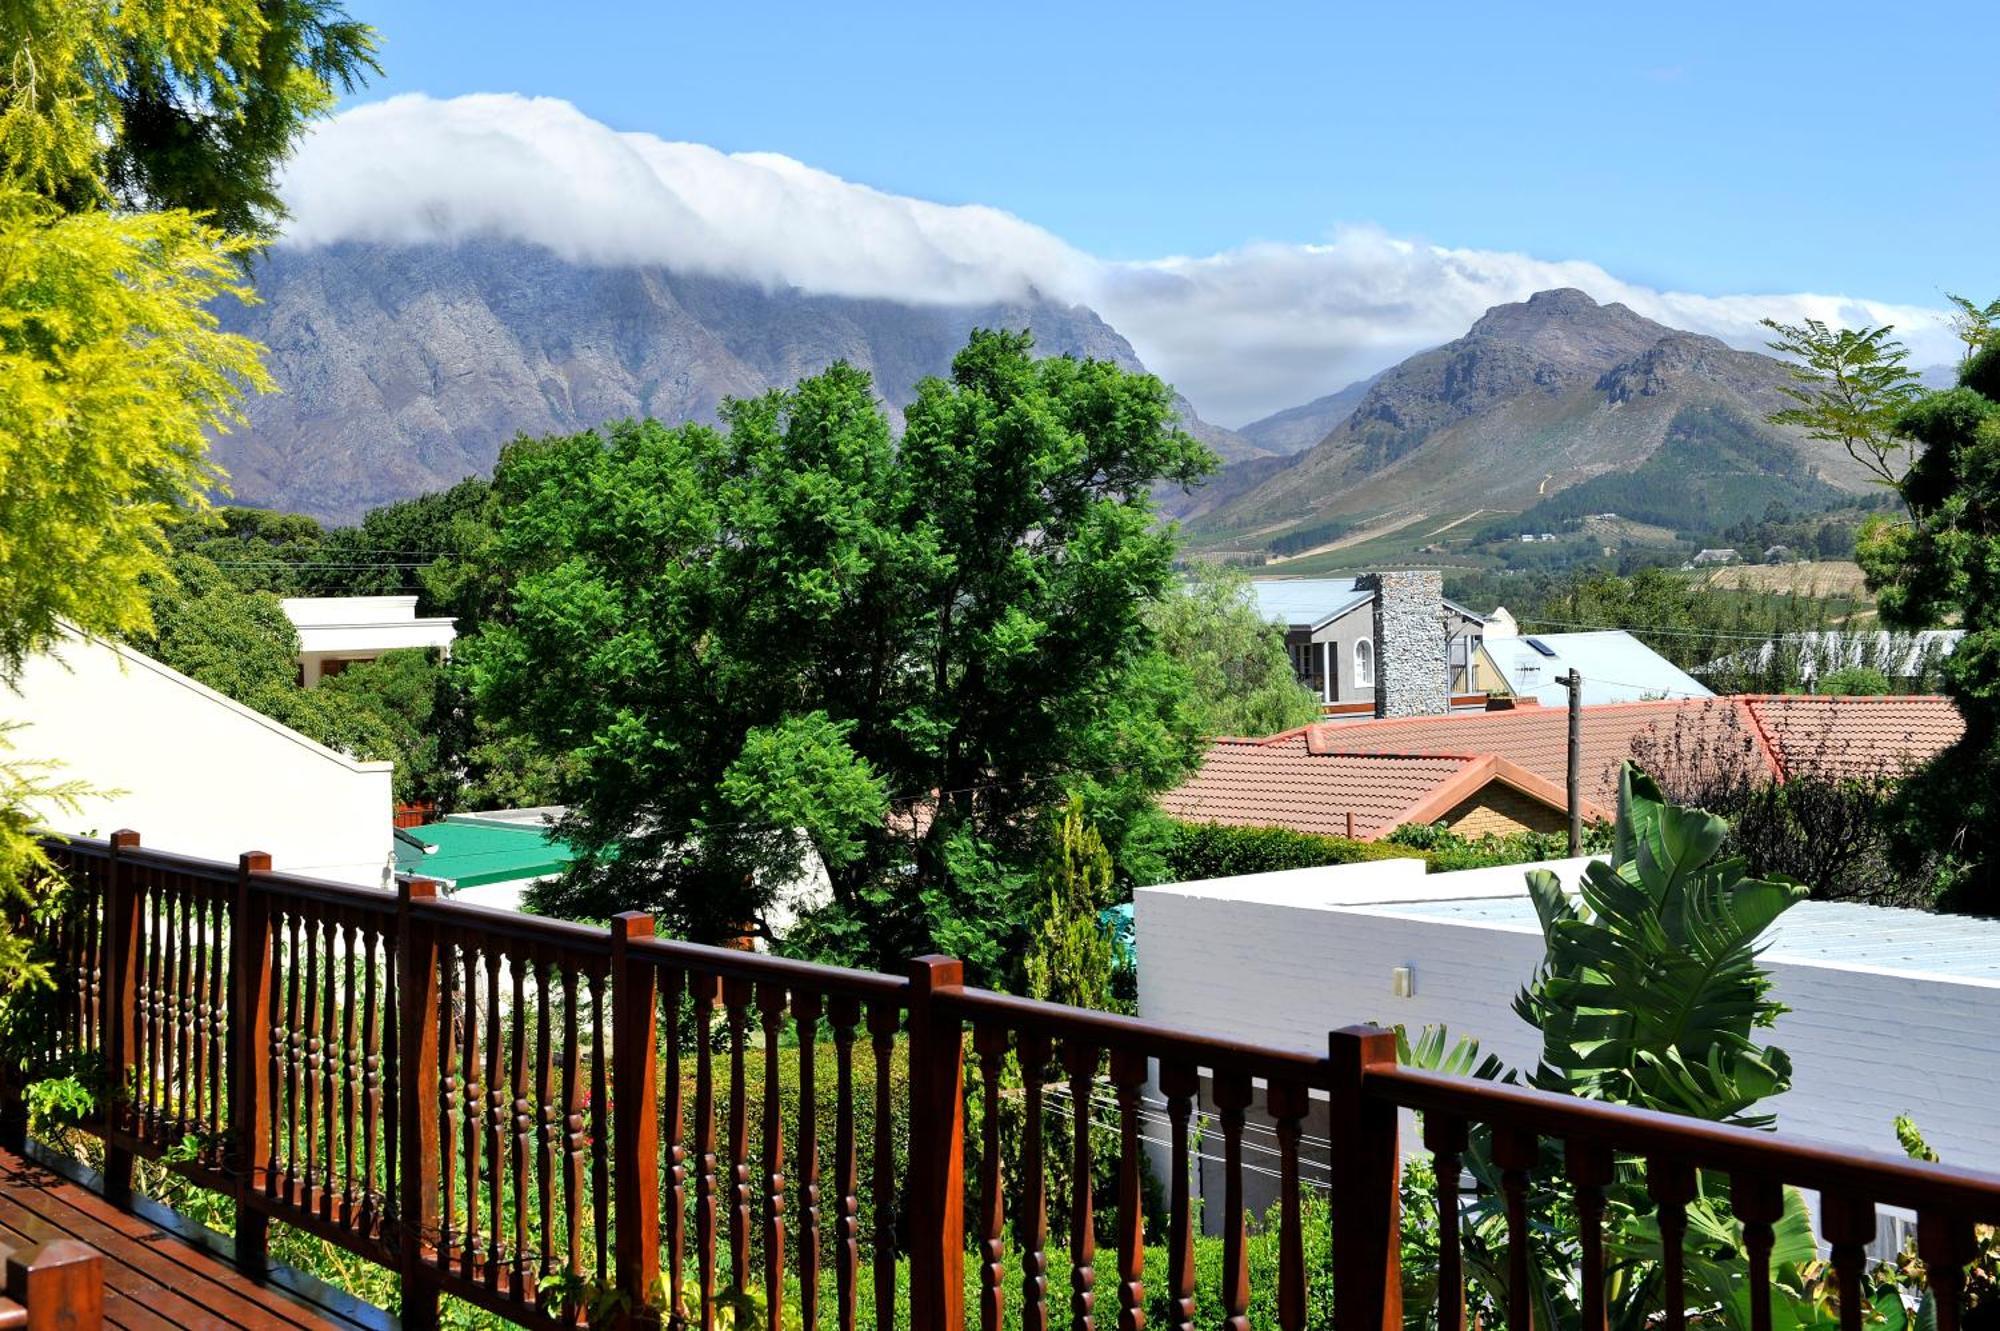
405	368
1295	429
1538	397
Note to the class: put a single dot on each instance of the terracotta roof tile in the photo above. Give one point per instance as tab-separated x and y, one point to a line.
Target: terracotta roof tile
1284	781
1855	736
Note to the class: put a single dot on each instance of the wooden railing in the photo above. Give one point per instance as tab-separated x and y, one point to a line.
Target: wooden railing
561	1123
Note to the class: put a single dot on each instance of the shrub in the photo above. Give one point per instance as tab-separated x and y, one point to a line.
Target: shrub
1212	850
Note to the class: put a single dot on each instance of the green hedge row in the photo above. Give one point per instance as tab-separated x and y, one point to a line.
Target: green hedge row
1211	850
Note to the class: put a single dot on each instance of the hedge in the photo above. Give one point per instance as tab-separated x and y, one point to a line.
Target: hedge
1211	850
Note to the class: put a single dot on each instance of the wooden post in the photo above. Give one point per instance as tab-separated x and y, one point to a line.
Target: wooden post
1574	681
250	1070
417	1101
635	1125
121	1028
1367	1211
937	1150
60	1284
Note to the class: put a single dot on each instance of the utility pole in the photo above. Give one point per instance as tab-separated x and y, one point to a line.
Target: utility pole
1574	681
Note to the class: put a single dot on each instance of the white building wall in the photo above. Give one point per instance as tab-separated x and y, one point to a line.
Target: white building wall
194	772
1285	963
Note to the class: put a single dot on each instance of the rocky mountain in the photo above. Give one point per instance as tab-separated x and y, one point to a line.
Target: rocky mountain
1295	429
1538	398
404	369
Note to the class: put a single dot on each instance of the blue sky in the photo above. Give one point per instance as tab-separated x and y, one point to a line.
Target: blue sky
1714	148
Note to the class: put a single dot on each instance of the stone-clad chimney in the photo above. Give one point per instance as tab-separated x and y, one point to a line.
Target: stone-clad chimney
1409	643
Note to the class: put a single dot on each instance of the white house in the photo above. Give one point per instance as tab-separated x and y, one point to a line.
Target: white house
1616	667
1892	1011
192	771
337	631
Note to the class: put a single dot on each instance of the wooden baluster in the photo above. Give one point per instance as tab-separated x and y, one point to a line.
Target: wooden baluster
221	1029
1514	1152
736	996
160	1043
181	1084
419	985
331	1067
706	994
494	1116
1232	1097
312	1052
1944	1242
471	1106
451	1086
600	1105
124	1049
522	1279
635	1035
252	1104
353	1099
573	1120
1849	1225
391	1082
277	1181
806	1009
1033	1220
1759	1204
1445	1138
989	1041
1590	1172
676	1175
937	1146
1128	1079
1287	1103
883	1022
201	1031
771	1000
1080	1061
550	1114
843	1014
1365	1198
1671	1182
1178	1083
370	1219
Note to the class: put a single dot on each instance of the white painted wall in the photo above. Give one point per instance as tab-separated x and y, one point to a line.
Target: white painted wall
193	771
359	628
1284	962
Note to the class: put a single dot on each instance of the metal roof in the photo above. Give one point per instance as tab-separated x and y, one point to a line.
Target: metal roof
1833	933
1306	602
1616	667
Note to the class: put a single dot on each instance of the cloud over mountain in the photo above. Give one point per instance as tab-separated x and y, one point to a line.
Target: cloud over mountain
1241	333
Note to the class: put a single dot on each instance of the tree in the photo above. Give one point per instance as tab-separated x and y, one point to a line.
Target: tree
1070	954
1852	383
138	145
1975	325
1242	676
1940	565
959	623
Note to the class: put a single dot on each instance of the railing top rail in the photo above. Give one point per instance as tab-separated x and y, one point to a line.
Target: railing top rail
1112	1031
1846	1171
759	967
371	899
147	857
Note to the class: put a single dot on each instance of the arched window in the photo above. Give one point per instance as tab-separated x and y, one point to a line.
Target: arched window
1364	664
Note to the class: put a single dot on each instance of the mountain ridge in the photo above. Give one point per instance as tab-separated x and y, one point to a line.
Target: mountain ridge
1538	396
404	368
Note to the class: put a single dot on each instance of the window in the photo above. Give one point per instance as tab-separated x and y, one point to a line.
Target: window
1364	664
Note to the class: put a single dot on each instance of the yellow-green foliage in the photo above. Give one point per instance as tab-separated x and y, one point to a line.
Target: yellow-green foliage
112	370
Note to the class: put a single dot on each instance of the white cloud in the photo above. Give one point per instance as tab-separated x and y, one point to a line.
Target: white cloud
1241	333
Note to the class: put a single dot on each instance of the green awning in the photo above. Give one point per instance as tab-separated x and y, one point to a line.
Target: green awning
470	854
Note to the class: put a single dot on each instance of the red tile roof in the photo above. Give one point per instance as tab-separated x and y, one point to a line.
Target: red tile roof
1779	735
1289	780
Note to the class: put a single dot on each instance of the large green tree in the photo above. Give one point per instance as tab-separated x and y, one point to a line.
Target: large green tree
1942	564
794	633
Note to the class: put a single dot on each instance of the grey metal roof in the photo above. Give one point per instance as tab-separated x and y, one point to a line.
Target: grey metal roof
1306	602
1837	933
1616	667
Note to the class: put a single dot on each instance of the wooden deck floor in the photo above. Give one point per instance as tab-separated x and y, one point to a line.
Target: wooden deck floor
156	1276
